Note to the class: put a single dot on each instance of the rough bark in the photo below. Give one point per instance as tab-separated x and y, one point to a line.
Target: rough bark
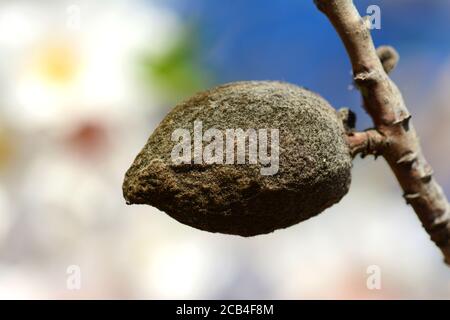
394	136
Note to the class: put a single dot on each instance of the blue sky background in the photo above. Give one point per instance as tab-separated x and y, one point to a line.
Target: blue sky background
290	40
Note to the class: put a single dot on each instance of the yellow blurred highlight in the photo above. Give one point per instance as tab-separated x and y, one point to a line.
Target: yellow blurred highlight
57	63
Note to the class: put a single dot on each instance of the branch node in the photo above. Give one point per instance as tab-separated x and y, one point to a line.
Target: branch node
408	158
426	173
410	197
389	57
403	119
366	77
442	220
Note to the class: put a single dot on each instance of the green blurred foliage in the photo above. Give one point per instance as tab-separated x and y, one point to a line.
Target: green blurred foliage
177	73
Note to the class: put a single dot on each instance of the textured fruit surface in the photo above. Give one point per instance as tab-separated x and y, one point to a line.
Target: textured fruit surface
314	161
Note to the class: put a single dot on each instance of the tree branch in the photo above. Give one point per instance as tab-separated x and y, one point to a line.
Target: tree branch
384	103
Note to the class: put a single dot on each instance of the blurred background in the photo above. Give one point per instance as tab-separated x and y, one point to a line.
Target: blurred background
84	83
